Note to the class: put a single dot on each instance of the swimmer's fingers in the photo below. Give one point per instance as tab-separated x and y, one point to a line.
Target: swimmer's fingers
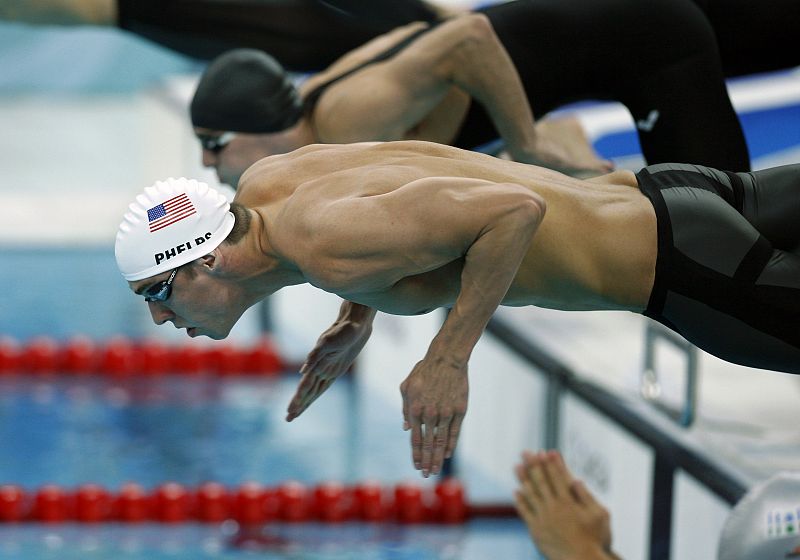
311	386
310	367
302	400
415	425
455	431
441	443
421	434
304	388
327	349
320	387
430	421
435	438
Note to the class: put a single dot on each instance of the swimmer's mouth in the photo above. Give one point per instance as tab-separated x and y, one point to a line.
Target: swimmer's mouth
191	331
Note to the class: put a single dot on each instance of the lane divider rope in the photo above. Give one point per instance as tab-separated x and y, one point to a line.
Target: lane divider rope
248	504
121	357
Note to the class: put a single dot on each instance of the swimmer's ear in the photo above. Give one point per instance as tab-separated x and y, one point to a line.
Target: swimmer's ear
208	261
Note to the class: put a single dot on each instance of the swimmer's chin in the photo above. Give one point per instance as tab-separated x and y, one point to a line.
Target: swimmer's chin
194	332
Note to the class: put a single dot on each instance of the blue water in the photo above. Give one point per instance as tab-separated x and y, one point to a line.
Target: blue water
73	430
188	430
476	540
63	292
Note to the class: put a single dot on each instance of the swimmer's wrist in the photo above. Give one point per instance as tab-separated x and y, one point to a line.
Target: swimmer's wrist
450	355
359	315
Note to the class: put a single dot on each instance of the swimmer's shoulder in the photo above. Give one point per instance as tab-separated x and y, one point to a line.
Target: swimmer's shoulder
360	56
266	181
275	165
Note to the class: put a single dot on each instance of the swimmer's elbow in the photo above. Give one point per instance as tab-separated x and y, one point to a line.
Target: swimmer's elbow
537	201
531	209
478	30
479	24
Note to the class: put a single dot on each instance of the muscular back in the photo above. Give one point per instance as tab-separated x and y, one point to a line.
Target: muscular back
592	250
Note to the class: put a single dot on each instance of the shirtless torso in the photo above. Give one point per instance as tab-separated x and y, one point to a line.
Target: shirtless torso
408	227
594	249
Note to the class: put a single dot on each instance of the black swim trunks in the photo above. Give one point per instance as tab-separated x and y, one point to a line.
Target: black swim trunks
728	266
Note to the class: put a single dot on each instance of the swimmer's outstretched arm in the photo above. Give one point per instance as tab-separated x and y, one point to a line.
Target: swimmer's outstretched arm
435	392
333	355
464	52
367	244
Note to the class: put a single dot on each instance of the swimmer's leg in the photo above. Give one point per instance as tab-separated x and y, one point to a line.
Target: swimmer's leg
721	283
754	36
683	113
770	200
681	107
564	519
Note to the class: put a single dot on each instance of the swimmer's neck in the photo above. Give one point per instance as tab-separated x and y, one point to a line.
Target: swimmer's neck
255	265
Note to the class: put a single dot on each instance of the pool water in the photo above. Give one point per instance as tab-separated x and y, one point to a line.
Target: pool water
71	430
476	540
188	429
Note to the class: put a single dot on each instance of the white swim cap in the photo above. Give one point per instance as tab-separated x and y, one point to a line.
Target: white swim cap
765	524
170	224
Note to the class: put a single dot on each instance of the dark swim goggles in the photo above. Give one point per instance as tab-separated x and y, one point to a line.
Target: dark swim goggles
162	290
215	143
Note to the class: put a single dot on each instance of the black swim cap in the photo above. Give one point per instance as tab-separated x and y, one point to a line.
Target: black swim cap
245	90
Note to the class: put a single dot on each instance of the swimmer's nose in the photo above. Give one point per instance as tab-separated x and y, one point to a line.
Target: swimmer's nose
209	158
159	312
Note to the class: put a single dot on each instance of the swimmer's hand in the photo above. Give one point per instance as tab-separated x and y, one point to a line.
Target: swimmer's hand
334	353
434	405
561	144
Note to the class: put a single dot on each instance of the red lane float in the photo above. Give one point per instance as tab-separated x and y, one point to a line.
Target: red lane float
40	355
92	504
79	355
172	503
213	503
249	504
132	504
10	354
51	505
12	503
122	357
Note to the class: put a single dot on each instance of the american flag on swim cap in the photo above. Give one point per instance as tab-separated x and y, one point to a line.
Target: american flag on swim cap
170	211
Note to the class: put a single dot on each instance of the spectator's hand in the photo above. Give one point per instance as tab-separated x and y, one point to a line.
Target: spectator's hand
434	404
334	353
562	516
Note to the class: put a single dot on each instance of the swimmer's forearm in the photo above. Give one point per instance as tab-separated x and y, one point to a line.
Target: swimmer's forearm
485	71
356	313
491	264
